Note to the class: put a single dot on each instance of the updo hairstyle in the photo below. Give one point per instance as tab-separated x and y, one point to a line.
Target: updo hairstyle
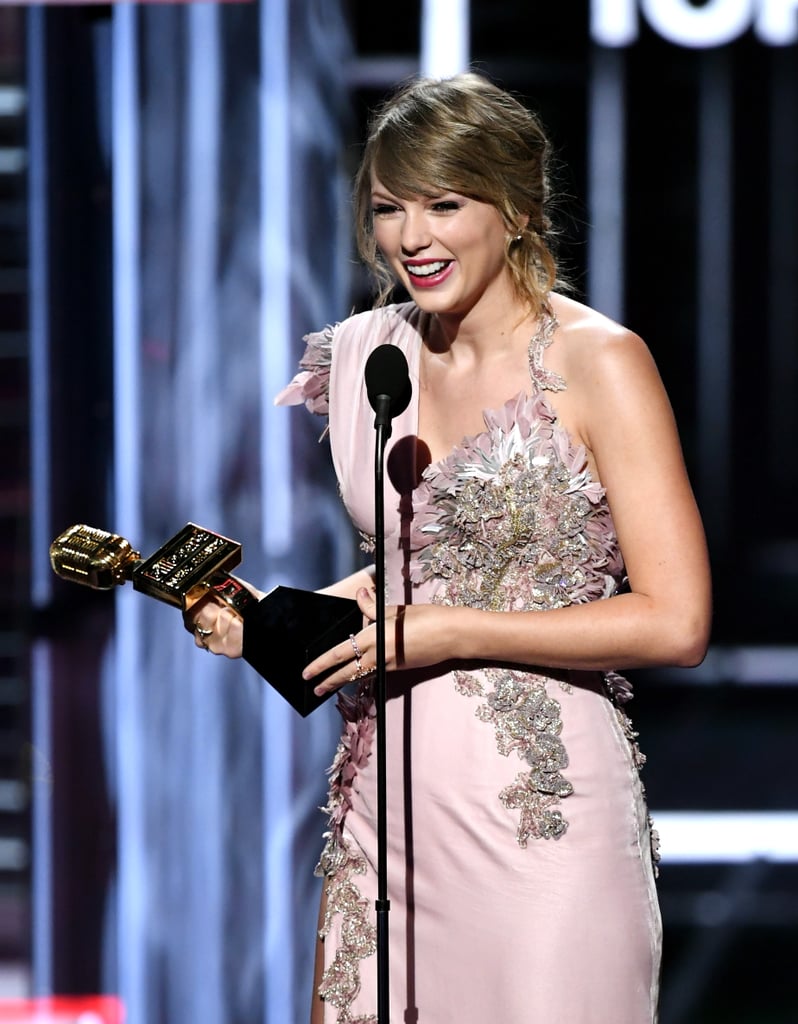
463	134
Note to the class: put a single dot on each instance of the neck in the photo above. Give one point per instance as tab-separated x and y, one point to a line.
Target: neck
478	332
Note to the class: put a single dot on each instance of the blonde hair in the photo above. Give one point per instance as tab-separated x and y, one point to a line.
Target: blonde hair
463	134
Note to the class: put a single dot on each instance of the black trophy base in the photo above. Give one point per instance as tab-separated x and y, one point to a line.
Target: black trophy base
289	628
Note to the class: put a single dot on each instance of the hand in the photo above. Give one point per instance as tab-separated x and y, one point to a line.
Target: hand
415	636
216	627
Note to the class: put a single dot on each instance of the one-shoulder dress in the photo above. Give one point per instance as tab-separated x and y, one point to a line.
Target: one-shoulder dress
521	858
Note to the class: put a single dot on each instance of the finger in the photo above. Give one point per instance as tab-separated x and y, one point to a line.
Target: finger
228	635
193	612
347	662
367	603
343	653
201	636
338	679
219	630
205	626
330	684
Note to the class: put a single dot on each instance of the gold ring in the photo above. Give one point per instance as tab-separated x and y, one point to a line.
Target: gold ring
361	673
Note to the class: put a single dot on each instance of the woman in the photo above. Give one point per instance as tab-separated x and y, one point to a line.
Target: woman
541	533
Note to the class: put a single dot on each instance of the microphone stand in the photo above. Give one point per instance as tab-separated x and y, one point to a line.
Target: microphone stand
388	387
382	425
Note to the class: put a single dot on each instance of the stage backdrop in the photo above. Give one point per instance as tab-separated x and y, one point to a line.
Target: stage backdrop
231	240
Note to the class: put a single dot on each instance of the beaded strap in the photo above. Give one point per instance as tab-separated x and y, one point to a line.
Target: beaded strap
542	378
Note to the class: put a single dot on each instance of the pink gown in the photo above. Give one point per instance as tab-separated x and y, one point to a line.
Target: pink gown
520	861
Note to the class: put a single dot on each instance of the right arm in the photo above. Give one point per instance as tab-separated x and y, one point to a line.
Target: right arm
350	585
227	628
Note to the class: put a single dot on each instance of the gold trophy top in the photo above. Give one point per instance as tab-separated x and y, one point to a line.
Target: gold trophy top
178	573
95	558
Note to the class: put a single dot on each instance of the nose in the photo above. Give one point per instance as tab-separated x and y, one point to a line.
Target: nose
415	232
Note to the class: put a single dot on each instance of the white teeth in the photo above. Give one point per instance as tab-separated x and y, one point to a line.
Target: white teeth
427	269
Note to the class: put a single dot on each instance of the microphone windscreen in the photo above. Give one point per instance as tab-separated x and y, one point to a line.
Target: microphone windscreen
387	375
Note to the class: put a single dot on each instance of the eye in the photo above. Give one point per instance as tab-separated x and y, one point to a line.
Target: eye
383	209
445	206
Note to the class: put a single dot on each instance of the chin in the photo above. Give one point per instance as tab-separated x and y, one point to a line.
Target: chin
431	302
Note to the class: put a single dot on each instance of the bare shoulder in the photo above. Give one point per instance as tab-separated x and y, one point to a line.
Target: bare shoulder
590	347
585	333
611	377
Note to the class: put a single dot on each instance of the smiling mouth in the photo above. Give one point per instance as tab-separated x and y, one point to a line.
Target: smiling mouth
424	270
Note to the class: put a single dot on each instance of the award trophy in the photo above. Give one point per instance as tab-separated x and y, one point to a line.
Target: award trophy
282	632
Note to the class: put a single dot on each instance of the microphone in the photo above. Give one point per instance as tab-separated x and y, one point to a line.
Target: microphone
387	384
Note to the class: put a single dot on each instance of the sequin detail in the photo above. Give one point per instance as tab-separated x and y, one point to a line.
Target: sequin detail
527	721
543	378
340	983
619	691
368	542
656	856
340	862
512	520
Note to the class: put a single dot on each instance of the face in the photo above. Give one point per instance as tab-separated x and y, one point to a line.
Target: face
447	250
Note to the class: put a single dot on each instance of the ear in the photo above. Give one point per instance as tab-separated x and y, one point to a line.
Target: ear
516	229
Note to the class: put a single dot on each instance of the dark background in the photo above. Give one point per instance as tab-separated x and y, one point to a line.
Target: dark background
718	739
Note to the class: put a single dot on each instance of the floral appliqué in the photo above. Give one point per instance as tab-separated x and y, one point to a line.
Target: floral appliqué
619	691
512	519
340	863
527	721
